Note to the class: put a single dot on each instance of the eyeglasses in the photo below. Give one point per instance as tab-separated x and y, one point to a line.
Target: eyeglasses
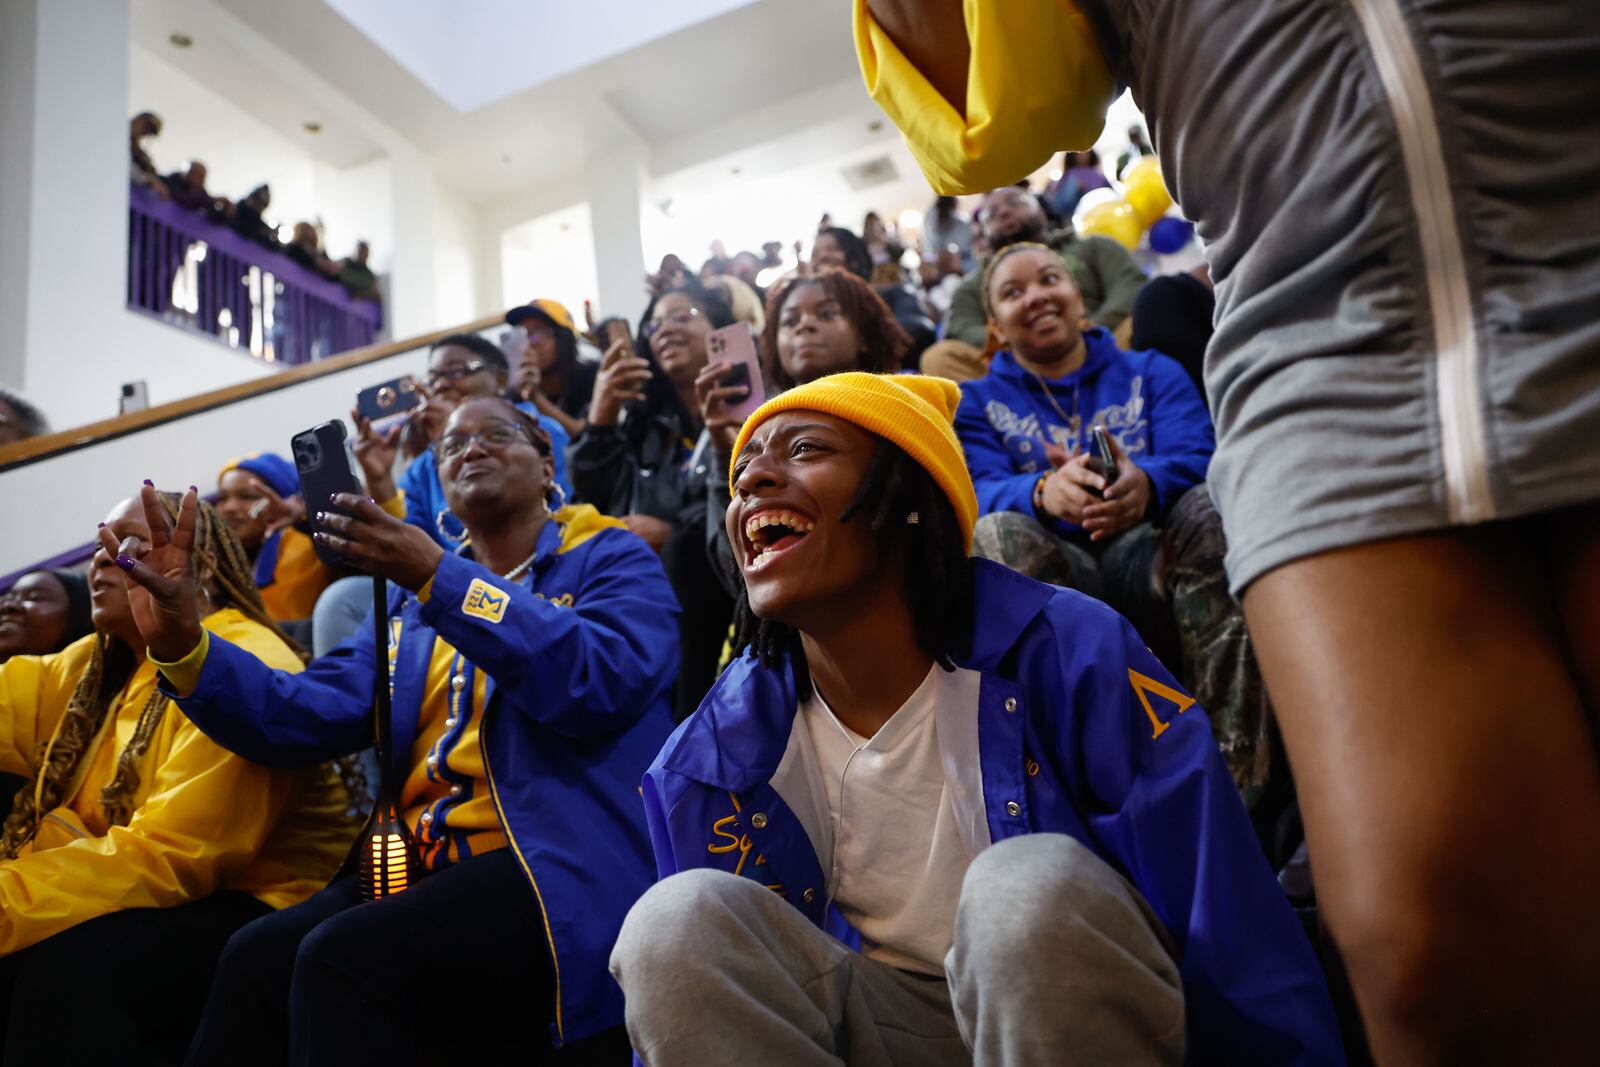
438	377
539	333
498	437
677	318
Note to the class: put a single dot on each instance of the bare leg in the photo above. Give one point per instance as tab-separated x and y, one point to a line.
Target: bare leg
1450	788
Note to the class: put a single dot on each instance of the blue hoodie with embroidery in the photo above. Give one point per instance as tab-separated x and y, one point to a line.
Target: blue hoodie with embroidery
1079	731
579	657
1144	399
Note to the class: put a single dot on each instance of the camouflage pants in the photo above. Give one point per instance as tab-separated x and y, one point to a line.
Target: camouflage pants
1169	582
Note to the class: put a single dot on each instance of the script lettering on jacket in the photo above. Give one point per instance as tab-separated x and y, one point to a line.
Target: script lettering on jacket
731	839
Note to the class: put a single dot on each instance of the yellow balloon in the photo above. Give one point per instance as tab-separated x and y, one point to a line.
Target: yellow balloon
1140	166
1147	193
1114	219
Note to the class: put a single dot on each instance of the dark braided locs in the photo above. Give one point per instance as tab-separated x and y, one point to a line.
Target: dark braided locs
938	573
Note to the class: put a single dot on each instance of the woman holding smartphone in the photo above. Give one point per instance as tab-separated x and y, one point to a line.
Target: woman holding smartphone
644	457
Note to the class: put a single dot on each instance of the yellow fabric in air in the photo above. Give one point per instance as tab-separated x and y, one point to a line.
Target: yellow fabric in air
1037	84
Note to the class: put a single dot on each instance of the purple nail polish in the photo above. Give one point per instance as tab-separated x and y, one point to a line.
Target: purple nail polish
102	526
148	482
125	562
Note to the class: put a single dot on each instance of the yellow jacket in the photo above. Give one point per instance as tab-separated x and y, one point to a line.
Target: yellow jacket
203	820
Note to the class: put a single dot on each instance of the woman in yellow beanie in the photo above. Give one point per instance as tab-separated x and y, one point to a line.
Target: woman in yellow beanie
973	803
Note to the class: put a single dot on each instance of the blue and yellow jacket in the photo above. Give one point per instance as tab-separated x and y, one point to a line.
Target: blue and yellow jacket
1144	399
1080	731
580	657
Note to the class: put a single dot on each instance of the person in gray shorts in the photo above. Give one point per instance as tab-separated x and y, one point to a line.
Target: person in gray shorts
1400	202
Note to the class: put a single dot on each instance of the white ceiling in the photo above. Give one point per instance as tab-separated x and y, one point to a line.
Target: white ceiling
676	86
475	53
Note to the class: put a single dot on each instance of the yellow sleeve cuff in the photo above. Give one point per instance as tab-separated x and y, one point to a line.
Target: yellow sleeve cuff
395	505
1036	84
184	675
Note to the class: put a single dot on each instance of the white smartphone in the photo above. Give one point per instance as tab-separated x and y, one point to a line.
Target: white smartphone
736	345
135	397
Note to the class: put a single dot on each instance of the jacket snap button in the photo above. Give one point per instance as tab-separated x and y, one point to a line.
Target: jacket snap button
1011	703
455	790
433	763
759	821
458	682
1013	808
809	895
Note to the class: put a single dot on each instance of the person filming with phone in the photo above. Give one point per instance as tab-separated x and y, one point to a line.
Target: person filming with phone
644	457
530	673
1089	463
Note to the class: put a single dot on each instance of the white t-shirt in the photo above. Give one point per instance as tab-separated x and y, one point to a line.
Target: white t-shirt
893	836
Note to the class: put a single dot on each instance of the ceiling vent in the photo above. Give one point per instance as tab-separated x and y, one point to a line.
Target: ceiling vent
878	171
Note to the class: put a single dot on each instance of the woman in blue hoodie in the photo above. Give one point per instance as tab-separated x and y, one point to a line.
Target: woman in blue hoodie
1150	543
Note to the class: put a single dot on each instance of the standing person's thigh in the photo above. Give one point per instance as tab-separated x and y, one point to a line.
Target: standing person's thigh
1450	791
155	966
1577	583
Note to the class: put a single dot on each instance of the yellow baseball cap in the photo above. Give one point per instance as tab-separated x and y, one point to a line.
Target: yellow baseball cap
549	310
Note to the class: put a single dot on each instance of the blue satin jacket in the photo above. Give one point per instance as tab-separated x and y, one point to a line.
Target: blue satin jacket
581	656
1080	731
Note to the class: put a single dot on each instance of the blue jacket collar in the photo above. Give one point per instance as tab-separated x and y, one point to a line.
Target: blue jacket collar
1101	351
738	735
545	548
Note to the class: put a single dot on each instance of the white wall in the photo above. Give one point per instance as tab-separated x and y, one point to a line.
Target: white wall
552	257
74	491
18	33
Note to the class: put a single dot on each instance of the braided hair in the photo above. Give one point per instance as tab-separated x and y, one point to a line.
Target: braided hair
222	569
939	586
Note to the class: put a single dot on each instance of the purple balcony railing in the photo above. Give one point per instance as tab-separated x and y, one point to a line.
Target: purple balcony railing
192	272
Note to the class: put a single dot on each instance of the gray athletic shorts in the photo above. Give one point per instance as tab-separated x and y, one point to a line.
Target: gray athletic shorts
1400	201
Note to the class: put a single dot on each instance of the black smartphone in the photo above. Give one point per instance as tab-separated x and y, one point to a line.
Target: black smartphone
325	468
1102	448
391	398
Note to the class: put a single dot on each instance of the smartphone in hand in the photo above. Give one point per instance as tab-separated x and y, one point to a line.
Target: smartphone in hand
736	345
325	468
394	397
1104	461
615	330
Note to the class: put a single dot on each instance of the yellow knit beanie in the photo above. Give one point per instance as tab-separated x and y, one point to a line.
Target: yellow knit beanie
914	411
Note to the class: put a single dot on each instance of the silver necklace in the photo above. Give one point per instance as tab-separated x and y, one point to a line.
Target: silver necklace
516	572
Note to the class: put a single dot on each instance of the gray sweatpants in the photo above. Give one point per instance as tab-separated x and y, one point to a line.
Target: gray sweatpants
1057	960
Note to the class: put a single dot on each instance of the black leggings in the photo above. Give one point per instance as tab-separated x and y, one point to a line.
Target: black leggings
126	988
456	966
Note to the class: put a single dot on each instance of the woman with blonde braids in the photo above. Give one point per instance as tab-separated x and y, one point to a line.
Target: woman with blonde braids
138	846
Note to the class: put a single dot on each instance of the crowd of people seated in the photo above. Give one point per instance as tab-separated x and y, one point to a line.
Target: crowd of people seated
868	575
187	189
908	719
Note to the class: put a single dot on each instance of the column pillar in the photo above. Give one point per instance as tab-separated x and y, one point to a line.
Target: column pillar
614	181
63	199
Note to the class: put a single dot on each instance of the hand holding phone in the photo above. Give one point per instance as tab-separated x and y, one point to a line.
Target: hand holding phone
1105	459
622	378
324	466
394	397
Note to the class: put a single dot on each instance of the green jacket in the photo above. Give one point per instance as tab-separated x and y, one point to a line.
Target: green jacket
1106	275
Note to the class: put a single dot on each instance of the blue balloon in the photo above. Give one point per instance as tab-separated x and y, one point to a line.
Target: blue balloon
1170	234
